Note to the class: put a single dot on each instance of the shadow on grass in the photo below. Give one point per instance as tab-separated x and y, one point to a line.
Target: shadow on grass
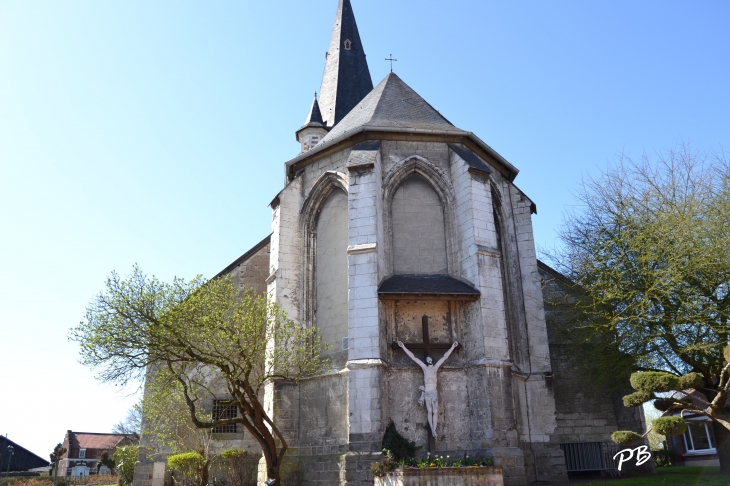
667	476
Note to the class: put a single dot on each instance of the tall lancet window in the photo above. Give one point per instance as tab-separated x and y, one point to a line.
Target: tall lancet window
419	235
331	274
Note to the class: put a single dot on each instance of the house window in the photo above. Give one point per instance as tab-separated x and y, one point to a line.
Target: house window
698	438
224	409
82	453
348	45
313	141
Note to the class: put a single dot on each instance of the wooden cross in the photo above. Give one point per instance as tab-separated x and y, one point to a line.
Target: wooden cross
426	345
391	62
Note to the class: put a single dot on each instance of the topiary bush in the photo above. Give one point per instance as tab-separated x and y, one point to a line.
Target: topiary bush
670	426
636	399
654	381
625	437
186	468
691	380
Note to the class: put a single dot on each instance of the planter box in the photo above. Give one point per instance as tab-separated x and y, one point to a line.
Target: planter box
443	476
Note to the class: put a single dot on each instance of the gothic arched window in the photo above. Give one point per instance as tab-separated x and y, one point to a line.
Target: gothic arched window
348	45
419	234
331	273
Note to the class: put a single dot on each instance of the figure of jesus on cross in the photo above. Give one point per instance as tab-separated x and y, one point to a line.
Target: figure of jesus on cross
429	394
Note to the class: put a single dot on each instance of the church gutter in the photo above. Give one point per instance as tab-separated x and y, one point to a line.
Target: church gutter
303	159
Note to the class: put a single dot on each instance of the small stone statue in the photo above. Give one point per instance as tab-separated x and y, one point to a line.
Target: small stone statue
428	392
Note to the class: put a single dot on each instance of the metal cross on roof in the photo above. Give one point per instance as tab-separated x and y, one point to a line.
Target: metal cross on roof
391	61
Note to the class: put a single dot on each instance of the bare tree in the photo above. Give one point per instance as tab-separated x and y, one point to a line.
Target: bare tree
648	250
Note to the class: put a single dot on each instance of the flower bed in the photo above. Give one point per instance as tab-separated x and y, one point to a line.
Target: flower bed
443	476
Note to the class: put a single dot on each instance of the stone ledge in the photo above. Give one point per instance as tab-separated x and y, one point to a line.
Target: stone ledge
451	476
364	248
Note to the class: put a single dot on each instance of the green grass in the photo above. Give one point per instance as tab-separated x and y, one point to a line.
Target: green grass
672	476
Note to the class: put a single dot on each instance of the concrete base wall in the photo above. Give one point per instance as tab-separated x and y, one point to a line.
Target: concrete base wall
444	476
143	472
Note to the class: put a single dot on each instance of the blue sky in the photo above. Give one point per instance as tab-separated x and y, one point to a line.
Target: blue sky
156	133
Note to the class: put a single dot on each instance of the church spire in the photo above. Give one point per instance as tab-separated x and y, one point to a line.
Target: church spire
313	129
315	115
346	80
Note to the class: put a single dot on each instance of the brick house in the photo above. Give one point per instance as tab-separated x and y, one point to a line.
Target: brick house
84	449
696	447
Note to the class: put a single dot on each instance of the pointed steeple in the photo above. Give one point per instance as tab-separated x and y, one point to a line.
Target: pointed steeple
313	130
315	115
346	80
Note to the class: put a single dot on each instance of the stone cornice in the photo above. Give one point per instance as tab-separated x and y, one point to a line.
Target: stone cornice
363	133
364	248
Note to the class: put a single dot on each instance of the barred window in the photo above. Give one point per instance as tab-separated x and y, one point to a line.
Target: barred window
224	409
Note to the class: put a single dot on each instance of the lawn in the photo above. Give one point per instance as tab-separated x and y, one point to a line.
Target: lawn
671	476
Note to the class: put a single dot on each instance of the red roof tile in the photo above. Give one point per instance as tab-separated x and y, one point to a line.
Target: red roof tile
90	440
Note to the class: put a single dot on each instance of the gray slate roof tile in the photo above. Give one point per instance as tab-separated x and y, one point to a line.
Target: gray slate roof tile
393	104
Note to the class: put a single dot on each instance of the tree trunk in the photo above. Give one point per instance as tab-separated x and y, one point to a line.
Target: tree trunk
205	467
272	471
722	444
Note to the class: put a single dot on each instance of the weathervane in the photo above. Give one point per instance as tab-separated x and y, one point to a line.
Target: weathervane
391	62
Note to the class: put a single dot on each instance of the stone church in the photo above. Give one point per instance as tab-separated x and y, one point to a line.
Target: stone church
396	225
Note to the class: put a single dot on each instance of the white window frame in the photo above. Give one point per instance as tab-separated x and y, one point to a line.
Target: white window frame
689	446
82	453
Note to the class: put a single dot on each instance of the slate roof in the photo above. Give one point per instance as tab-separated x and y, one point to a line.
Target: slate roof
22	459
471	159
314	117
245	256
436	285
393	104
346	79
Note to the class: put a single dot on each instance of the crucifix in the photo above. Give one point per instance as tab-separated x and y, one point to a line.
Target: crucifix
391	62
429	395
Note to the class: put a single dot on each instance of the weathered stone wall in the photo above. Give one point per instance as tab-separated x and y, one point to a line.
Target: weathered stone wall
489	401
585	411
253	270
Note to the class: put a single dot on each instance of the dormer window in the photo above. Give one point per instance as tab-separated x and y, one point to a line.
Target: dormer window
82	453
348	45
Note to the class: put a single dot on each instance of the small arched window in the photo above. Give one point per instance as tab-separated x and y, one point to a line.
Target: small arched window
348	45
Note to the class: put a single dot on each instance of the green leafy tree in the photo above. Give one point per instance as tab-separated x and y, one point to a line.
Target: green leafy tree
125	457
207	336
648	251
168	422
